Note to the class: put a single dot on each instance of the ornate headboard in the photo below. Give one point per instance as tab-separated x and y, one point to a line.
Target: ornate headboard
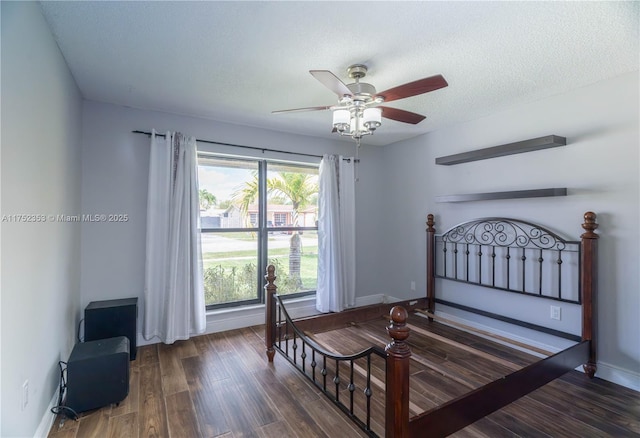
511	255
519	257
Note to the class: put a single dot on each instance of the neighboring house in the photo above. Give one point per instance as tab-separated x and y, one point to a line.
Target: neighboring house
221	218
282	215
277	216
232	218
209	222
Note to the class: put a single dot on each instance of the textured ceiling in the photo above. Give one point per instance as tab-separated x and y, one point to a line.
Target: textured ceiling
238	61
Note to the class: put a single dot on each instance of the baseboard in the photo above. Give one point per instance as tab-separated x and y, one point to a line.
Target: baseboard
369	300
48	418
622	377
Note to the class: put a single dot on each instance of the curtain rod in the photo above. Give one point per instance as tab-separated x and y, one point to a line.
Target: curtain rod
263	150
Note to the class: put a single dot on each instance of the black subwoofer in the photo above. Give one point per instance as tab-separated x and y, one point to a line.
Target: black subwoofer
98	374
110	318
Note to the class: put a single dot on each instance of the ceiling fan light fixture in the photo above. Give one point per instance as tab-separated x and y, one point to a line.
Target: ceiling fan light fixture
372	118
355	122
341	119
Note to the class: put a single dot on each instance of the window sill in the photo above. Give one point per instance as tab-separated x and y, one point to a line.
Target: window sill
232	310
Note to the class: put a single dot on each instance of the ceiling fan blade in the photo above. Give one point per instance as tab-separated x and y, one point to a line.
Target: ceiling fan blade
299	110
414	88
332	82
401	115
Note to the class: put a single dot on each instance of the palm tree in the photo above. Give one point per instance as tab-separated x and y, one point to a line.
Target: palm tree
207	199
246	195
300	190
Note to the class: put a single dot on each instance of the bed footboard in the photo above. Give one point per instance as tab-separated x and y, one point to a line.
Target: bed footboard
347	380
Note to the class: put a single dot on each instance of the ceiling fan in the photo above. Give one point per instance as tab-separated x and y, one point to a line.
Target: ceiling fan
359	109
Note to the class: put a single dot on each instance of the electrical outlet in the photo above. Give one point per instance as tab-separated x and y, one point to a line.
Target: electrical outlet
413	285
555	312
25	395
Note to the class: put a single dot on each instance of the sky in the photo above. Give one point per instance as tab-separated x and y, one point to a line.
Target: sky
222	182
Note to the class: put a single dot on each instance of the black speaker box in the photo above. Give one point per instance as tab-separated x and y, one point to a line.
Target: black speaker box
98	374
111	318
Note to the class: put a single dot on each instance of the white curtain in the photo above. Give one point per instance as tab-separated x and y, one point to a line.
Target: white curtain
336	235
174	292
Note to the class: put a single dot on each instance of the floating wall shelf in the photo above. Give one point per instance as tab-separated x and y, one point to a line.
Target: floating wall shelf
550	141
538	193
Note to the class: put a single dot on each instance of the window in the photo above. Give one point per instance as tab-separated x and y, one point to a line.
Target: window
280	219
255	213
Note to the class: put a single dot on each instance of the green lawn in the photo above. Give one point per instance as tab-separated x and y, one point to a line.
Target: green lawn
214	257
231	276
308	266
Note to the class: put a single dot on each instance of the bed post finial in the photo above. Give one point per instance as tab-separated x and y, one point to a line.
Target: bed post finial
398	329
589	225
430	222
431	265
398	355
589	282
270	311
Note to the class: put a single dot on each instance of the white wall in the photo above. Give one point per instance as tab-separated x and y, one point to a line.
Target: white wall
41	165
115	171
599	166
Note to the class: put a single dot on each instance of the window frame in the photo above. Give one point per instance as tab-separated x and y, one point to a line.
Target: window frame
262	230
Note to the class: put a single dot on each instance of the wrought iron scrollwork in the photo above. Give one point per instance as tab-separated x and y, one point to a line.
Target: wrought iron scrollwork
510	255
504	233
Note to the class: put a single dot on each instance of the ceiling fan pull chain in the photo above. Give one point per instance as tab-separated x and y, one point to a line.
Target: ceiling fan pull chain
356	161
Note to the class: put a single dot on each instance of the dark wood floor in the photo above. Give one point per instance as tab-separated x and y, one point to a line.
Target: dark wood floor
221	385
447	363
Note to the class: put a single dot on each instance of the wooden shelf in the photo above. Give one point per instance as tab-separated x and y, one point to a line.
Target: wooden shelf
535	144
537	193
